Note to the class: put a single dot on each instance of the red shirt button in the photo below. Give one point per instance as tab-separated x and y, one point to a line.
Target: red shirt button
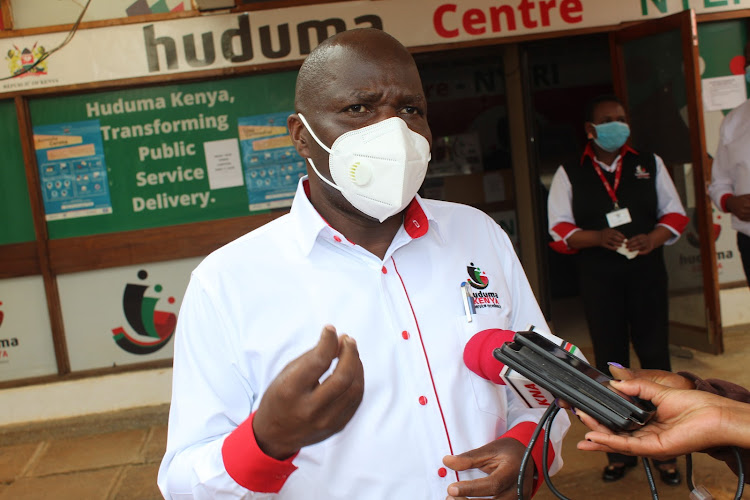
385	271
337	238
442	472
422	400
405	335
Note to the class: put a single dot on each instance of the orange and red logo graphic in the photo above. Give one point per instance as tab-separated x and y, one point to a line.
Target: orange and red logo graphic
27	62
154	328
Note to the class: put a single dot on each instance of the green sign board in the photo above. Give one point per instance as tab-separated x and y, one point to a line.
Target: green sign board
159	156
18	223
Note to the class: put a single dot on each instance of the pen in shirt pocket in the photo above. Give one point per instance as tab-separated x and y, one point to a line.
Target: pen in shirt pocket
468	301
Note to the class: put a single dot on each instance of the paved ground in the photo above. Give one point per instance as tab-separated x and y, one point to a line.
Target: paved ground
111	456
116	456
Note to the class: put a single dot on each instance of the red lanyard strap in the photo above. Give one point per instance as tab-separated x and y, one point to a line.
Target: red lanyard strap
618	173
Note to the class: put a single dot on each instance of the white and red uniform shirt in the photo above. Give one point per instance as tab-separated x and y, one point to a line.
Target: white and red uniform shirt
261	301
730	173
562	223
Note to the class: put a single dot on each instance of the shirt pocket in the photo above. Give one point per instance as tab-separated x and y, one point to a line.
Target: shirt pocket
490	397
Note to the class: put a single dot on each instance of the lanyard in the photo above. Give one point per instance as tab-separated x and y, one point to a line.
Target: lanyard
610	190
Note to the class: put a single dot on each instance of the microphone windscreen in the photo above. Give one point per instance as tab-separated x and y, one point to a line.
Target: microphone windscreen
478	353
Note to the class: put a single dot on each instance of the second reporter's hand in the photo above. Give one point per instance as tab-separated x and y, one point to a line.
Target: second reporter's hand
501	460
685	422
297	410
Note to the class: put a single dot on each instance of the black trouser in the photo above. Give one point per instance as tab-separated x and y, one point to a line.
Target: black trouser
627	301
743	245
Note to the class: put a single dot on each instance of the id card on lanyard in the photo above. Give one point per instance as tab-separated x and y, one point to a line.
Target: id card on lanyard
618	216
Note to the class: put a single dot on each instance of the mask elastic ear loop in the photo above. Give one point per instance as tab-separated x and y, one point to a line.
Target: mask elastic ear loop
312	164
307	126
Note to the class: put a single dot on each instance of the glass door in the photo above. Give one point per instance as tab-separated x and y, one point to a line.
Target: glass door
656	74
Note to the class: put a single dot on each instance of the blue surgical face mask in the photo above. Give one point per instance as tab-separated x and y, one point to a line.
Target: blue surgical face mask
611	136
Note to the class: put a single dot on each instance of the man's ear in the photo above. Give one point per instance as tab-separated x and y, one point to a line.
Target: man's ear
300	136
590	130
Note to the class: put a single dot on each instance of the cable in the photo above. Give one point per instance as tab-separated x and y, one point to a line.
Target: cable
689	471
650	478
527	453
740	473
44	56
545	452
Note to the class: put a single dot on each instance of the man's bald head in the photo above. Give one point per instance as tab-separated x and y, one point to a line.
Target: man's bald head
365	44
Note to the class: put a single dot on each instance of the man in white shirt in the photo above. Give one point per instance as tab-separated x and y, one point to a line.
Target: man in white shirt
265	406
730	174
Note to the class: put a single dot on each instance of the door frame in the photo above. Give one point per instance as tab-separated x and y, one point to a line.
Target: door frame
685	22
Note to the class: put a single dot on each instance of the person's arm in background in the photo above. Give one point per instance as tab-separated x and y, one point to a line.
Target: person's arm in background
721	189
567	236
670	212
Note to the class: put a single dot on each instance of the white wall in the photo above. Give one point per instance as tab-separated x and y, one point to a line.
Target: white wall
85	396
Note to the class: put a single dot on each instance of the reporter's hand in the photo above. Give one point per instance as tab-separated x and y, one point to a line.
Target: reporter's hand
611	238
297	410
501	460
685	421
739	206
662	377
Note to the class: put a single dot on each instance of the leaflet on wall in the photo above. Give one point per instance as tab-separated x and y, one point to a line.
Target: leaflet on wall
723	92
272	166
72	170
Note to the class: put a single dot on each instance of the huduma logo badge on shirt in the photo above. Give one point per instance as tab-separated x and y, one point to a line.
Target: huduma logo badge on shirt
640	173
478	279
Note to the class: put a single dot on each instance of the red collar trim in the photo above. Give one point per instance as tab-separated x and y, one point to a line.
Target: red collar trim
589	152
415	220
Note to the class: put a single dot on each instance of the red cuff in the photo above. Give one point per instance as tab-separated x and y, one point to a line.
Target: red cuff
522	432
723	201
676	221
246	463
561	247
563	229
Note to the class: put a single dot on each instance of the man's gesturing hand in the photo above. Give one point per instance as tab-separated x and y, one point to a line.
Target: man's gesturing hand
297	410
501	460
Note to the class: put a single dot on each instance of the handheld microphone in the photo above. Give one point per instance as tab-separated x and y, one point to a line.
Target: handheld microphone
479	359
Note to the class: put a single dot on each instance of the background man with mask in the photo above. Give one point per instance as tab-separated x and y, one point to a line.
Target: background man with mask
615	208
264	405
730	174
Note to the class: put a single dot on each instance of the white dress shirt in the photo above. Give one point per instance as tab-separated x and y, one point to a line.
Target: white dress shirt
261	301
560	201
730	174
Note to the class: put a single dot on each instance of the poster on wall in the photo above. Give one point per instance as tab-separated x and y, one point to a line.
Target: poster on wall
272	165
72	170
168	154
26	347
123	315
683	258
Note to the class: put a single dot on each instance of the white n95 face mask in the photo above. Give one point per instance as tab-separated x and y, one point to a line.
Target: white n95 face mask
378	168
